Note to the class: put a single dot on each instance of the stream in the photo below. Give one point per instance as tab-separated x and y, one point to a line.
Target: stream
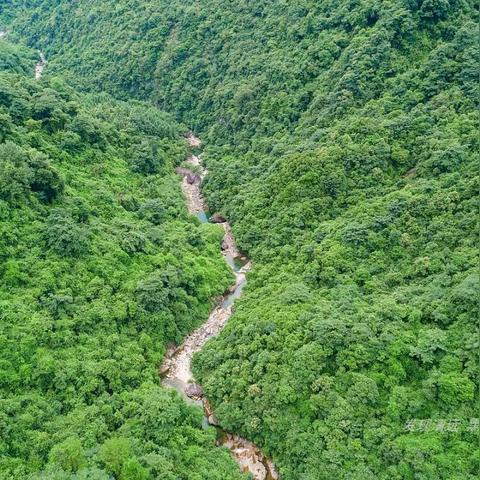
176	368
40	66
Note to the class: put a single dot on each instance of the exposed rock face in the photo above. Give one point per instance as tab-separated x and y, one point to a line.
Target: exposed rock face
248	457
207	408
229	246
273	470
212	420
178	366
217	218
164	368
191	186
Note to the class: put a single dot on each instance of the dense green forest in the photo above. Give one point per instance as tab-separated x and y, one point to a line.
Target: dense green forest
100	267
342	144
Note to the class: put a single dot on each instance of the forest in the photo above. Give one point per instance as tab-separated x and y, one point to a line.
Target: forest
341	140
101	267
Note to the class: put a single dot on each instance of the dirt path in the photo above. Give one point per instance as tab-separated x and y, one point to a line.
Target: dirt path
176	368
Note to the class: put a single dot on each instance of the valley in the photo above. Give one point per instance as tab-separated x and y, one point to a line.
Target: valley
304	278
176	367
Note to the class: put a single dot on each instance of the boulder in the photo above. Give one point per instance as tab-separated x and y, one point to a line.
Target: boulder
194	390
208	410
273	470
189	175
193	178
217	218
164	368
213	421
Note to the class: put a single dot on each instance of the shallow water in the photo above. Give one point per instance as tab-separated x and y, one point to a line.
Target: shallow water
202	216
176	367
235	263
237	293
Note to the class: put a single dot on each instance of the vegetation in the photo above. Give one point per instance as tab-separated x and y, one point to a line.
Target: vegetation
101	267
342	144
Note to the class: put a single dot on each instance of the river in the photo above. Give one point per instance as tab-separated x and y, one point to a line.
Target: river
176	368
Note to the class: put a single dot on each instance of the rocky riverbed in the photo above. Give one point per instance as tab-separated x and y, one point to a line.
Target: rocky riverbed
40	66
176	368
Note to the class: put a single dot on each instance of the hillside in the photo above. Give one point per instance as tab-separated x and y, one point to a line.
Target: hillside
100	267
342	145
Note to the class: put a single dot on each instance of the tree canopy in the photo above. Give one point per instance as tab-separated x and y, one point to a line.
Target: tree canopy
101	267
342	144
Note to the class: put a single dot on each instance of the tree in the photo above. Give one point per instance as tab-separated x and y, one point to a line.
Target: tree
132	470
15	174
69	455
147	158
153	211
115	454
46	181
64	235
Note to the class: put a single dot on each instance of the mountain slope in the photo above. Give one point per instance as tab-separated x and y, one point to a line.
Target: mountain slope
342	145
100	268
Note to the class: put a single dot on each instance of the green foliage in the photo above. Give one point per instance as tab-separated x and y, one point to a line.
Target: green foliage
69	455
23	172
14	173
147	158
92	289
15	58
341	142
64	235
114	454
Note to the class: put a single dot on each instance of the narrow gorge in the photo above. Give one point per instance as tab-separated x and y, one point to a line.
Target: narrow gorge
176	368
339	153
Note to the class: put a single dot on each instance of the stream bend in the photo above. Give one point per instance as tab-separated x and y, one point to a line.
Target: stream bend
176	369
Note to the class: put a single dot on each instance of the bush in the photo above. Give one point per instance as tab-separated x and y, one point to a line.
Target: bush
64	235
147	157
